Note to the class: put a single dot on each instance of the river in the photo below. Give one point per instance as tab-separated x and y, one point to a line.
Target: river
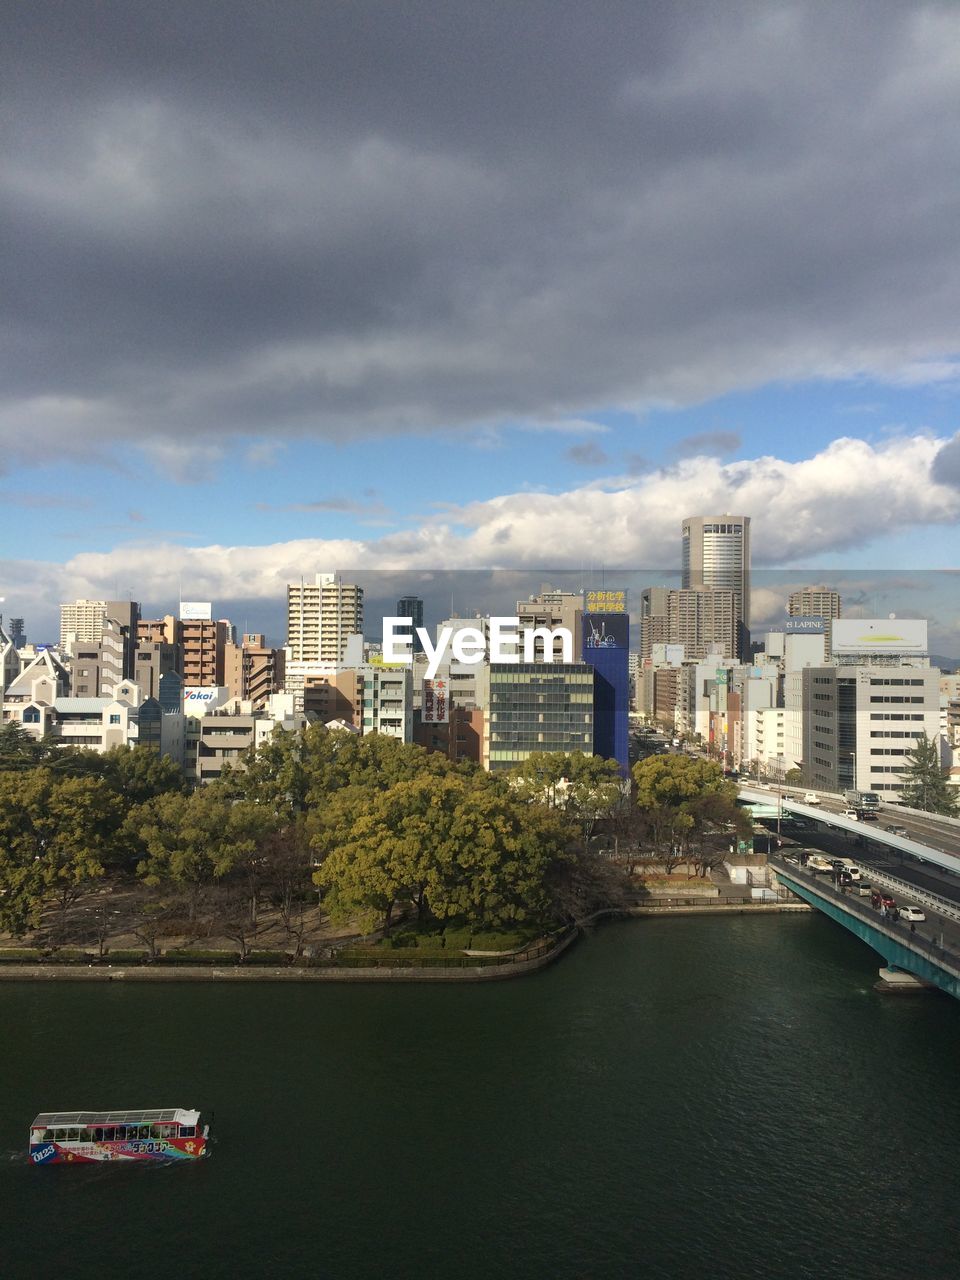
675	1098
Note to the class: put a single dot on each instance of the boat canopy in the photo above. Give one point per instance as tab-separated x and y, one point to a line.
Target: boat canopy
91	1119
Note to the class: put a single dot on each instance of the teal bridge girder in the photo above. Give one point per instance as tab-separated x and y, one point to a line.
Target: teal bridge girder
900	949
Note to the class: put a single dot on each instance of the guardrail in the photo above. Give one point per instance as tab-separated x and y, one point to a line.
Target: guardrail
943	906
940	952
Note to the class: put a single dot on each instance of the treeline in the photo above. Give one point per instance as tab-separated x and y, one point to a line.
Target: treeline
375	826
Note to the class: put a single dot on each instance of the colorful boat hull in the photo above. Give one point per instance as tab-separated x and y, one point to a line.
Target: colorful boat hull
136	1149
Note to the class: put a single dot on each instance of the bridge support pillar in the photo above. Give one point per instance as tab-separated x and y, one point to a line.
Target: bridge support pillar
897	980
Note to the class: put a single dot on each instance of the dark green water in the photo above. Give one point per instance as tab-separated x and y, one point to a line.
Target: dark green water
676	1098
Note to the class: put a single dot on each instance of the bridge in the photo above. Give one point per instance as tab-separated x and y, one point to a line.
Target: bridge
927	873
933	958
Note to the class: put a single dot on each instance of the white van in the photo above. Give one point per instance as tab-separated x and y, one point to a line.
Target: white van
849	813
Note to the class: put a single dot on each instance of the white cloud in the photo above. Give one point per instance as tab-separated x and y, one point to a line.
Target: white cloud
847	496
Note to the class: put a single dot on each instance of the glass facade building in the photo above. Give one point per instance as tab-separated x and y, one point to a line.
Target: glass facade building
536	707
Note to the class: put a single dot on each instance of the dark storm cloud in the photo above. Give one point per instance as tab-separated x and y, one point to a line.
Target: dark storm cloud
341	219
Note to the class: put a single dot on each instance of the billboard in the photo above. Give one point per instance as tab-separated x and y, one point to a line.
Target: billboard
606	631
199	699
436	703
196	611
880	635
605	602
810	626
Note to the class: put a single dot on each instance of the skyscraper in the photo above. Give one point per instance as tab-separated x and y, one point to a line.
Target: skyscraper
412	607
715	552
321	615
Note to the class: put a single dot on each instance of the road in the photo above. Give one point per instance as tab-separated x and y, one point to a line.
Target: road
937	930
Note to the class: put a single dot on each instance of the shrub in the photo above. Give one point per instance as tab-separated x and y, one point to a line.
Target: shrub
268	957
20	955
71	955
185	956
125	957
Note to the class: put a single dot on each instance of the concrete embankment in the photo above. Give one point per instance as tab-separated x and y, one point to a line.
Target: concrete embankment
383	969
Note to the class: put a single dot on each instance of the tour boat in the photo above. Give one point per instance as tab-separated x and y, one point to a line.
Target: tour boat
80	1137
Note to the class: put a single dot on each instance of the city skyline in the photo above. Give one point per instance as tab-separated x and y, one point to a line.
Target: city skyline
373	290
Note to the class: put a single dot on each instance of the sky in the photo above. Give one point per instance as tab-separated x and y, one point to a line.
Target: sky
420	287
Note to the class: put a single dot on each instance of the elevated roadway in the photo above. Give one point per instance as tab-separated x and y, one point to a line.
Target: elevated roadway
931	841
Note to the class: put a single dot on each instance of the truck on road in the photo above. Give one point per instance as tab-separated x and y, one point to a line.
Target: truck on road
862	799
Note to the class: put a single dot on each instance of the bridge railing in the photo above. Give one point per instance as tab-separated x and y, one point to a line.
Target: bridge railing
923	897
935	948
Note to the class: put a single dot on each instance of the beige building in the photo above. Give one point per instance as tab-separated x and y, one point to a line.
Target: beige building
252	670
321	616
701	619
715	552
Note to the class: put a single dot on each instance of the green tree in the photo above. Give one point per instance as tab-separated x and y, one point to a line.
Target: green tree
22	802
673	779
80	825
18	750
138	774
675	795
925	784
192	840
55	833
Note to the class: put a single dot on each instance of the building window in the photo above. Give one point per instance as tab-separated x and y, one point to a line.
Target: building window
115	719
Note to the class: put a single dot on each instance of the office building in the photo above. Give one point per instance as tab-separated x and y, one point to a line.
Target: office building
534	706
715	552
412	607
606	648
860	722
321	616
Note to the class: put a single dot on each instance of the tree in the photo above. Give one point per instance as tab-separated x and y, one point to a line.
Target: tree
670	780
80	824
55	834
195	839
714	817
676	796
18	750
794	777
924	782
138	774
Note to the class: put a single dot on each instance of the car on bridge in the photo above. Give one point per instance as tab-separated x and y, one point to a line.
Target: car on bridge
818	863
852	814
867	815
897	831
912	913
811	798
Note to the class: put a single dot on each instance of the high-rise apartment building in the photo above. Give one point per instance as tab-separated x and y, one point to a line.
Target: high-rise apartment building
203	644
715	552
81	622
702	619
321	616
814	602
252	671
